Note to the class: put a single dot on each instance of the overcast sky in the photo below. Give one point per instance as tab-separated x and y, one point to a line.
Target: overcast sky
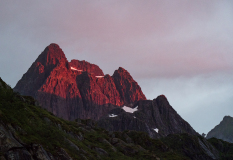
182	49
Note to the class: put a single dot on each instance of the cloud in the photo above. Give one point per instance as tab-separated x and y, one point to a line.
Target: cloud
163	43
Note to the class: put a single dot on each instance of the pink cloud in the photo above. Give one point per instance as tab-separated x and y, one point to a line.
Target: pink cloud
154	37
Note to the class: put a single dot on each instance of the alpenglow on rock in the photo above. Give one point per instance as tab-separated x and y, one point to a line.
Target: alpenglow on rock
76	89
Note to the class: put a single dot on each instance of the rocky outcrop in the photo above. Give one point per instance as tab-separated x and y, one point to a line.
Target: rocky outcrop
96	103
86	66
108	88
76	89
60	94
156	117
39	71
128	88
224	130
53	84
14	149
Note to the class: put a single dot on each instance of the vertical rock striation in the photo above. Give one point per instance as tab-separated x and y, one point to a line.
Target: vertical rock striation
76	89
156	117
128	88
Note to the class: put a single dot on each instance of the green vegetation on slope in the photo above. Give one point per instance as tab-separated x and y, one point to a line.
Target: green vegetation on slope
83	139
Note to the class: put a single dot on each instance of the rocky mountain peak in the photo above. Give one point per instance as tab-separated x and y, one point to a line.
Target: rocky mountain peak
121	72
227	118
156	117
52	55
128	88
162	100
77	89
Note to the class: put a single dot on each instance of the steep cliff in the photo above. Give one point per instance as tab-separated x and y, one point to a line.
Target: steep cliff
156	117
128	88
108	88
51	81
39	71
76	89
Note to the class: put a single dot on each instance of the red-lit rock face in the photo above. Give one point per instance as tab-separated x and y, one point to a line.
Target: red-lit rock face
34	78
108	88
77	89
86	66
128	88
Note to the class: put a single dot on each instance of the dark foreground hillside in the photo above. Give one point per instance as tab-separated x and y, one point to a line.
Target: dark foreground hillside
29	132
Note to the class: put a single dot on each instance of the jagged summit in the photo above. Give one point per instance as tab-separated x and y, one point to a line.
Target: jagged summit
128	88
76	89
156	117
79	89
52	55
121	71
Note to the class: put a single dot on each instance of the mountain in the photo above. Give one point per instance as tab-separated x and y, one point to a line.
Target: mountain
29	132
224	130
156	117
79	89
76	89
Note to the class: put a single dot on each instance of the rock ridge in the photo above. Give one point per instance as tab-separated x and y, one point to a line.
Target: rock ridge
76	89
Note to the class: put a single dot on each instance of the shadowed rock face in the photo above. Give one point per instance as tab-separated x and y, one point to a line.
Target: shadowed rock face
77	89
156	117
224	130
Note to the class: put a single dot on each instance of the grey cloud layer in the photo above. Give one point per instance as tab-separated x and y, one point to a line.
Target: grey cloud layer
162	40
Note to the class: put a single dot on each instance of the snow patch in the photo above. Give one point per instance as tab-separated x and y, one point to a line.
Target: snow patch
72	68
99	76
134	117
156	130
112	115
130	110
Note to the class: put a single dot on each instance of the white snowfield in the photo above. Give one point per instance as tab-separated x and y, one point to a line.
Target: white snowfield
156	130
72	68
130	110
112	115
99	76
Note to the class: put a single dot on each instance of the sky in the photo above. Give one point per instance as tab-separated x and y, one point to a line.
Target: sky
180	48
